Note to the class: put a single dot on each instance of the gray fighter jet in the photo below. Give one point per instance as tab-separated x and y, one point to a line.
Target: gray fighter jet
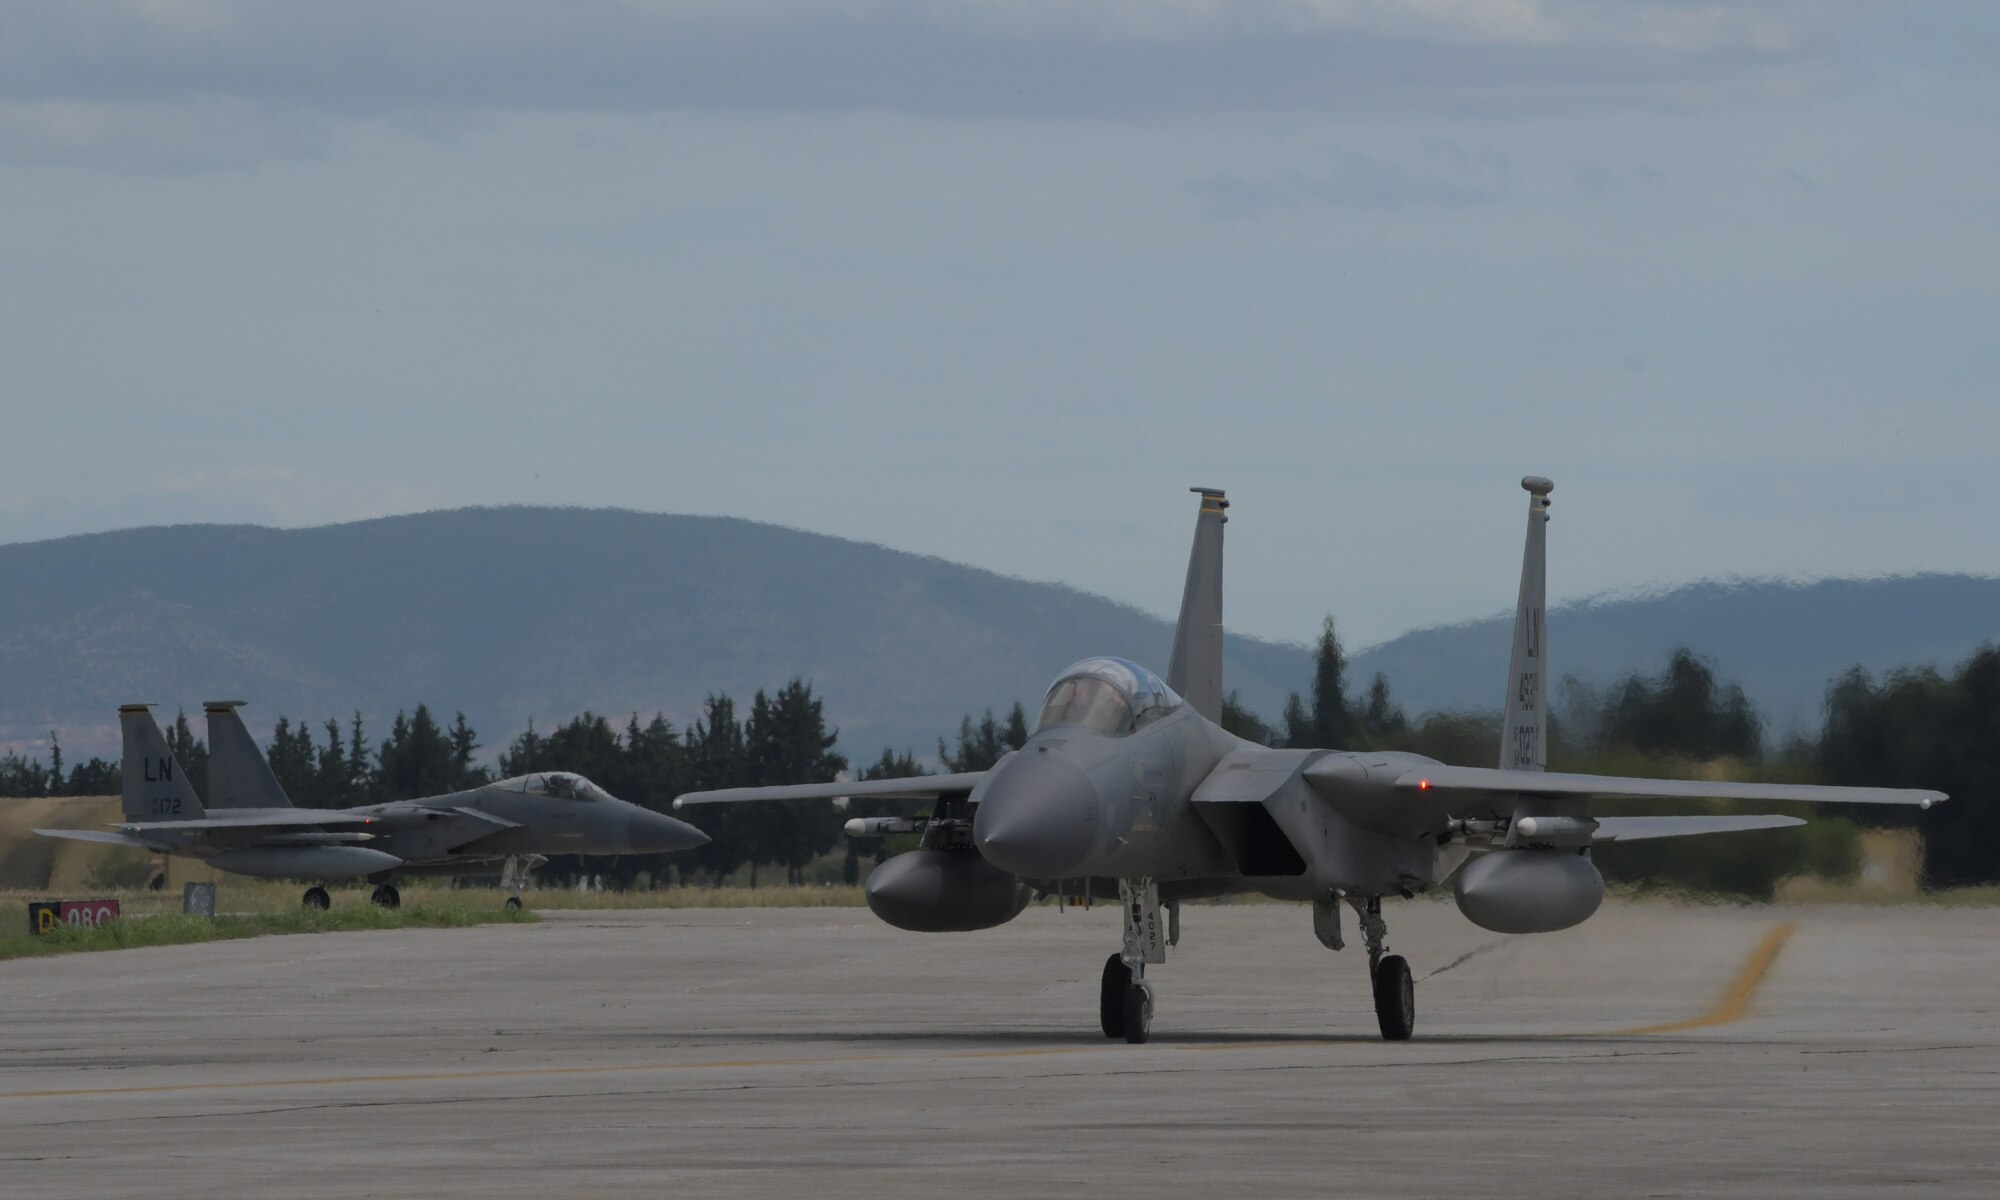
251	828
1129	788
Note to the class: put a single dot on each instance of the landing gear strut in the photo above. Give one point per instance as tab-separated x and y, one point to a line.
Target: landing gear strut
1395	990
1124	998
387	896
514	876
316	897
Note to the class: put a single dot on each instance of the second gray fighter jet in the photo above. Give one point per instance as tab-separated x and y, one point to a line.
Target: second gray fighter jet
249	827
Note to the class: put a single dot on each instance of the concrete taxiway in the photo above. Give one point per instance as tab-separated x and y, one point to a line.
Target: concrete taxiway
1654	1051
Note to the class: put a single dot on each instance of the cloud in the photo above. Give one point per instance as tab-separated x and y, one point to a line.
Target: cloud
172	136
953	58
1446	175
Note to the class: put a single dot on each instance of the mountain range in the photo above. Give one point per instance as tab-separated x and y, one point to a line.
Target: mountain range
514	615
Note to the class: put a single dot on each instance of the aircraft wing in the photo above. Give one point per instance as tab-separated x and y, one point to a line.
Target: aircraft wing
279	818
1639	829
1449	785
104	836
917	787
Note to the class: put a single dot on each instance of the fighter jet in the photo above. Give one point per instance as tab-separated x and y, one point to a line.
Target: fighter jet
251	828
1130	787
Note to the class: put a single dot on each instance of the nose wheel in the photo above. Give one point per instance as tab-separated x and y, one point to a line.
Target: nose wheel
1124	1002
1124	998
387	896
316	897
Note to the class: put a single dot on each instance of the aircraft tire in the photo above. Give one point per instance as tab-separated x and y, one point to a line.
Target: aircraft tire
1111	996
316	897
513	902
387	896
1138	1013
1395	999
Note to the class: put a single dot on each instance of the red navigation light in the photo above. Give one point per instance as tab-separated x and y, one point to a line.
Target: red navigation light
1423	785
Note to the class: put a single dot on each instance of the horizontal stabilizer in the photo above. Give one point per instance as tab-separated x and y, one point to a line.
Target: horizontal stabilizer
917	787
1640	829
1447	785
102	836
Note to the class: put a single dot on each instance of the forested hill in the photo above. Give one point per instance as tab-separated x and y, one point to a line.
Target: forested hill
518	613
1782	641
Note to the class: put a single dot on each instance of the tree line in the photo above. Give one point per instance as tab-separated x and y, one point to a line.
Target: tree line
1913	728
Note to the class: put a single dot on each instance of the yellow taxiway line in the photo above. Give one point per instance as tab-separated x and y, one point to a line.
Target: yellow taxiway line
1737	999
1732	1006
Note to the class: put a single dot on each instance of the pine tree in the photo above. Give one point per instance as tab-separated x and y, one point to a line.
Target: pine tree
1239	720
189	751
716	759
331	778
1330	725
788	742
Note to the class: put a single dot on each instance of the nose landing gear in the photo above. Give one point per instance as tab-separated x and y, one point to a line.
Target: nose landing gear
1124	998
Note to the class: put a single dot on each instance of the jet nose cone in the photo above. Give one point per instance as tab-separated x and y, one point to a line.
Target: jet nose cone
648	832
1037	817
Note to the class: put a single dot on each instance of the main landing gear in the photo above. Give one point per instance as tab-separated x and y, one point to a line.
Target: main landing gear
1124	998
316	897
1389	974
1395	991
387	896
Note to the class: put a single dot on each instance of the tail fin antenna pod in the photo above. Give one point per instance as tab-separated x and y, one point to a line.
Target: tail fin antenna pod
1195	670
153	786
238	774
1524	726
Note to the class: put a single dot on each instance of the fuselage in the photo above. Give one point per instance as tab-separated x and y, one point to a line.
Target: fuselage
469	829
1203	812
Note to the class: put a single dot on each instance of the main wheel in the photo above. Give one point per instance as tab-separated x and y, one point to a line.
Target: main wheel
1395	999
387	896
316	897
1111	996
513	902
1138	1012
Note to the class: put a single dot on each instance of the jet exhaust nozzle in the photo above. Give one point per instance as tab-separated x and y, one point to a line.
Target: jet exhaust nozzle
944	891
1529	891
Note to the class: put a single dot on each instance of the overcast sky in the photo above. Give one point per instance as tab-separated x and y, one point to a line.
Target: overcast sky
998	280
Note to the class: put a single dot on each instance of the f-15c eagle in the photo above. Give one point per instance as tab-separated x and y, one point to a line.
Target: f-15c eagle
1129	785
249	826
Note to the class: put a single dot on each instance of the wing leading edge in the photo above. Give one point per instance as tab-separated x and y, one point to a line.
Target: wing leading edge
917	787
1447	785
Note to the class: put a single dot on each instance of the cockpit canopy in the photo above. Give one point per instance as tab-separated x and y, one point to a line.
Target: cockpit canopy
1111	696
561	785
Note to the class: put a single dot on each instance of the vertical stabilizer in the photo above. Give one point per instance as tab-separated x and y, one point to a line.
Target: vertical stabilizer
1524	726
238	775
1196	668
153	785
